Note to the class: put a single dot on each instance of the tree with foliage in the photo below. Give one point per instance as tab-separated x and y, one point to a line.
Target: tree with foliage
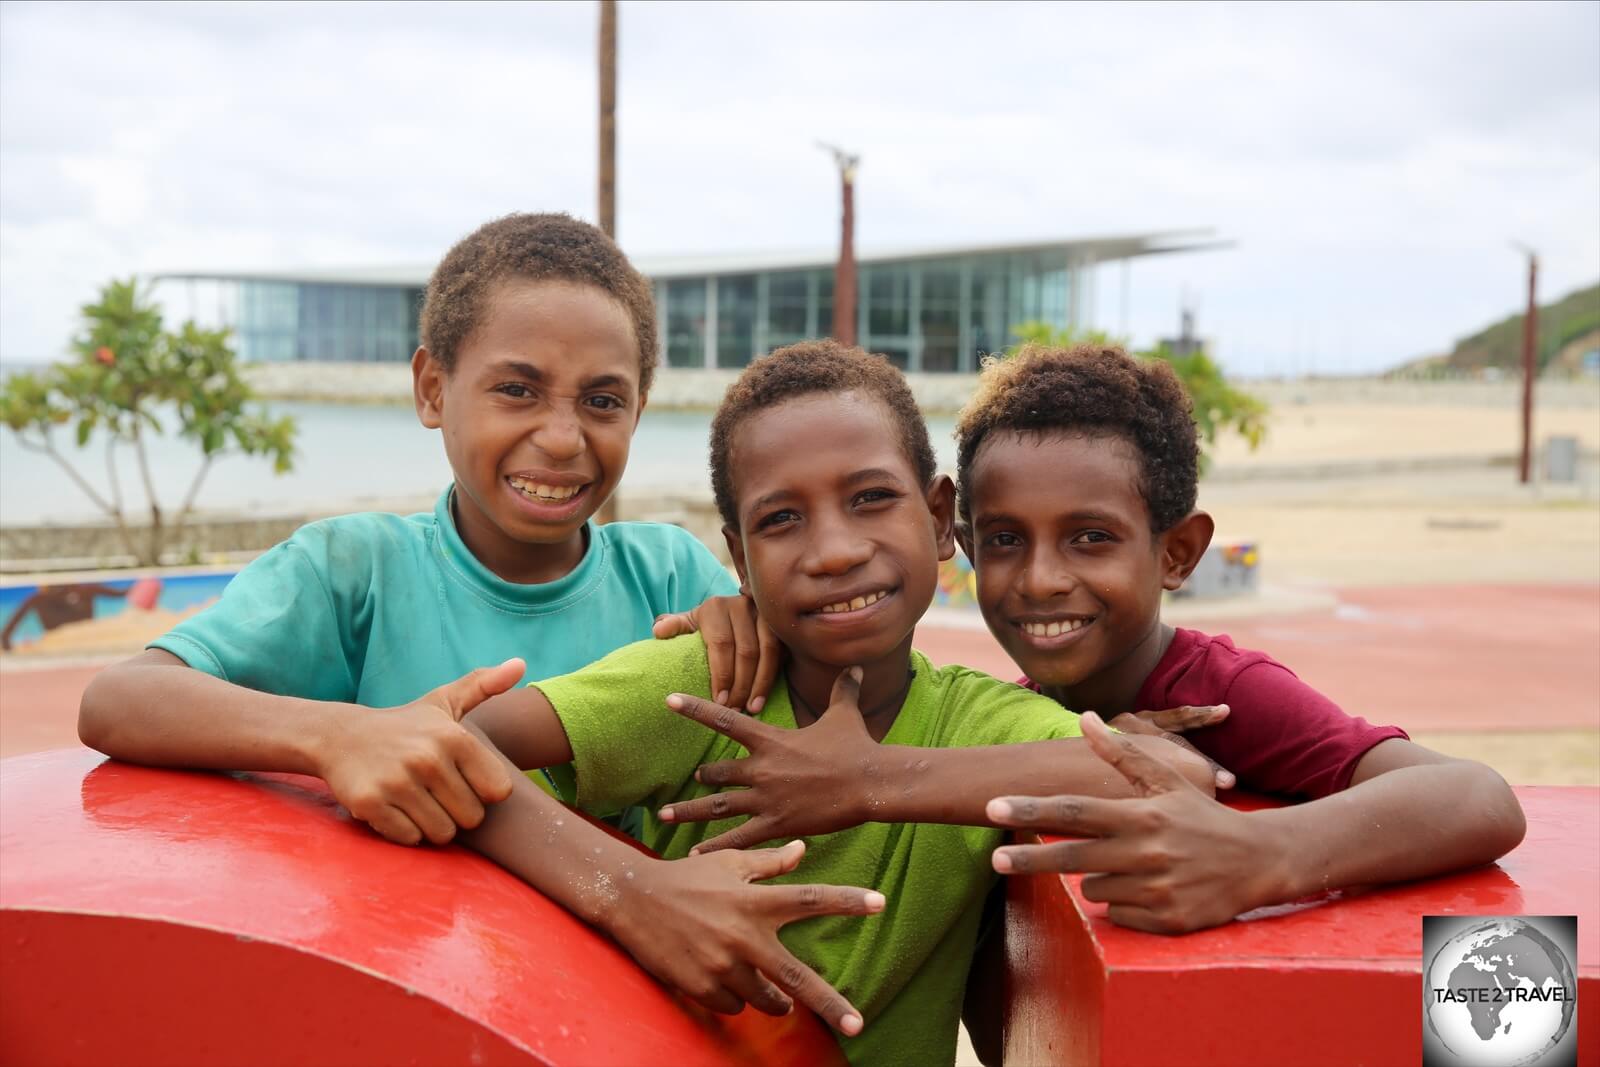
1218	406
130	374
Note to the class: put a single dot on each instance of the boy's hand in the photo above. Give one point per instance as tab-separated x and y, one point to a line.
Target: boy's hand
414	772
700	926
1171	861
745	656
799	782
1170	724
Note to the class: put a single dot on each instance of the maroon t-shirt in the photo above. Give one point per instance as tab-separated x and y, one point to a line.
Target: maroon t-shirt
1280	736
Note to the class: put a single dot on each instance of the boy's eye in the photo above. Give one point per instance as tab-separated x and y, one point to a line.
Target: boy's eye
875	496
606	402
515	390
777	518
1003	539
1092	537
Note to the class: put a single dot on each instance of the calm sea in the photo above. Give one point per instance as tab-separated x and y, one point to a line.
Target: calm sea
350	458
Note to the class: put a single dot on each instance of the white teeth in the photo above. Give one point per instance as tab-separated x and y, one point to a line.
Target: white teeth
856	604
546	493
1053	629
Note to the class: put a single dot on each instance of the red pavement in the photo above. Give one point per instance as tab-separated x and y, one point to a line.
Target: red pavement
1521	657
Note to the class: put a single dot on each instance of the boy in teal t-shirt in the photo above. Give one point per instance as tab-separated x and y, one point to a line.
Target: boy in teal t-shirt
538	347
386	607
838	544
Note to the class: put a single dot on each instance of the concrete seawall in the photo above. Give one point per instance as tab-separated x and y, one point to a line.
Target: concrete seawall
677	388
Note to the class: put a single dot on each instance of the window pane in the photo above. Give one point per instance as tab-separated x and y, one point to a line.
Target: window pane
786	306
686	323
889	301
940	319
736	320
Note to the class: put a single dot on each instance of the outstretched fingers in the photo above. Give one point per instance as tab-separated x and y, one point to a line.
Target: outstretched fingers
473	688
846	690
724	720
709	808
1095	856
793	902
1187	717
748	834
809	988
1148	775
1073	816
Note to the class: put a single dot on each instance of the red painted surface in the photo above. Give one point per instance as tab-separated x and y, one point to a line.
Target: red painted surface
164	916
1424	657
1335	981
1421	657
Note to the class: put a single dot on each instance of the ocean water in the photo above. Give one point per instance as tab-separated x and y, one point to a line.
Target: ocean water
349	458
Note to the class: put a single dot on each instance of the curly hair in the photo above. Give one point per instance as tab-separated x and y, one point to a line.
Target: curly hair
824	366
1090	389
542	247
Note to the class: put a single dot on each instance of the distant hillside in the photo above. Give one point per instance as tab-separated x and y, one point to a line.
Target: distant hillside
1566	327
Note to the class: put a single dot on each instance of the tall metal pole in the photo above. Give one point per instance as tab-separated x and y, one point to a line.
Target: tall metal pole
1530	334
844	273
608	117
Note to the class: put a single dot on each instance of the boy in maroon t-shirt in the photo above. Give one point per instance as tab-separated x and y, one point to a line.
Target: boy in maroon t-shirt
1077	473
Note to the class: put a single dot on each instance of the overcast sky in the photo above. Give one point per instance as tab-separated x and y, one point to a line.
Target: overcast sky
1371	162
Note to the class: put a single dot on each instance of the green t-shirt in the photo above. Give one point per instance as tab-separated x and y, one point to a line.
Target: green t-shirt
905	969
377	609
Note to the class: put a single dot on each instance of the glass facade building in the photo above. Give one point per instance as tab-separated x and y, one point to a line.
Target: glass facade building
934	312
939	314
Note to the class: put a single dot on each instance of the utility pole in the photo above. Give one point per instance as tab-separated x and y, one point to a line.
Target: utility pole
608	117
844	274
1530	334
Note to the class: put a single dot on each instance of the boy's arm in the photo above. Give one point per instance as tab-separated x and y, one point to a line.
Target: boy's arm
697	924
1173	861
864	781
409	772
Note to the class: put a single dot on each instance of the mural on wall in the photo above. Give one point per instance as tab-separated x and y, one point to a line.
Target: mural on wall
108	613
1229	568
958	586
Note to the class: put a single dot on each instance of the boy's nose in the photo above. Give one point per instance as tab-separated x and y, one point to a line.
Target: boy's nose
835	550
1045	576
558	434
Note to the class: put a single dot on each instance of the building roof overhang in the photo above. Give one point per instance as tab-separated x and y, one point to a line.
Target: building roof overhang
1084	251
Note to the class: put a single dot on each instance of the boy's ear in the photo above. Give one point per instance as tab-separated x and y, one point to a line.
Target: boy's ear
942	504
736	551
427	388
1182	546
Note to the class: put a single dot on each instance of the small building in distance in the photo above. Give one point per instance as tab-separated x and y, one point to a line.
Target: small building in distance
927	310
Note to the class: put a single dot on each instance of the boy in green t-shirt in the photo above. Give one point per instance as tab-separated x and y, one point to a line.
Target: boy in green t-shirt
838	543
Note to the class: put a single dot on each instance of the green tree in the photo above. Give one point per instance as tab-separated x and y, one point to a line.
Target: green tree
1218	406
130	374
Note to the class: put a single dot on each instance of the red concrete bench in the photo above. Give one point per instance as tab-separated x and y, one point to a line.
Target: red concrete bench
172	917
1334	982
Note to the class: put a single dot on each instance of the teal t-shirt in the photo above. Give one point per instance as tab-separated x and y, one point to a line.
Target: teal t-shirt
377	609
905	969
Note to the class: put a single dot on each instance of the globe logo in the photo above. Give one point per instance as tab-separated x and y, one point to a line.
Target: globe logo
1499	992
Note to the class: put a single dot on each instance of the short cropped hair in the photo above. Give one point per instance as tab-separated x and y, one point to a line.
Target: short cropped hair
824	366
536	247
1090	390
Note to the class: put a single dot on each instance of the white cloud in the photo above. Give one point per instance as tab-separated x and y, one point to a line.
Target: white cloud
1371	161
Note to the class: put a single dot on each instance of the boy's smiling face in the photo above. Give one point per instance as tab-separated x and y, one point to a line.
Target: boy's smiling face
1069	574
838	542
537	414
